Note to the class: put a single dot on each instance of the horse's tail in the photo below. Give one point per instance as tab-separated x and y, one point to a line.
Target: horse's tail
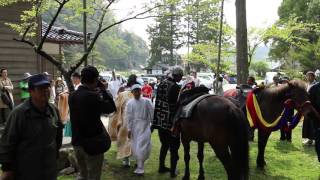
239	144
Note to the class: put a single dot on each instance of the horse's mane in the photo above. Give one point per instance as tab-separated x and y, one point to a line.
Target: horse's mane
298	83
273	92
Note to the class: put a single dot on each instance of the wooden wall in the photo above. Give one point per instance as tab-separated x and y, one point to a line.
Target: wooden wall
16	56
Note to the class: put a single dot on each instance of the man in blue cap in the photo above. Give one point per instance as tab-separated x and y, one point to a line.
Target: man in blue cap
32	136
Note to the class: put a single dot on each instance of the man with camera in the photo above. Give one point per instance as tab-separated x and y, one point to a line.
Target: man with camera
89	137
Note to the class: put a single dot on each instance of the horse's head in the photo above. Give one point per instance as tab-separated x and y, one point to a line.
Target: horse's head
298	94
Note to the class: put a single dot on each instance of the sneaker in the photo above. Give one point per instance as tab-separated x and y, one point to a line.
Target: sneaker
126	163
139	172
308	142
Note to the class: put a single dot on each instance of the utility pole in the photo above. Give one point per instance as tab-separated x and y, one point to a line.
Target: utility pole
219	47
85	40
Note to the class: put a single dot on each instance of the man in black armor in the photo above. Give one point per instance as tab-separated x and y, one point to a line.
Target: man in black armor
165	109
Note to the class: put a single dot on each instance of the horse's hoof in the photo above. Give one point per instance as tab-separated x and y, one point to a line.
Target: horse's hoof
201	177
261	166
261	163
186	178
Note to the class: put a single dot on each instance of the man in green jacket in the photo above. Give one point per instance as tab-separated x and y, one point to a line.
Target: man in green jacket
32	136
23	85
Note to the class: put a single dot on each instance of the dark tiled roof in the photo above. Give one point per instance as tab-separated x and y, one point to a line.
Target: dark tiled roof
61	35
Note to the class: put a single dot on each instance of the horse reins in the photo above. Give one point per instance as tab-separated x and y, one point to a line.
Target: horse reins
300	107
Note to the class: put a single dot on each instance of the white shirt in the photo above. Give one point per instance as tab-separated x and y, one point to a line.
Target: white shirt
76	86
196	82
113	87
310	85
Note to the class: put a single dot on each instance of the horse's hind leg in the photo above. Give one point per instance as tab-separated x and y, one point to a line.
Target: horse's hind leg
262	142
200	158
222	152
186	147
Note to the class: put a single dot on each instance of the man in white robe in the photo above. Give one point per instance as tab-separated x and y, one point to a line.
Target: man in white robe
114	85
139	113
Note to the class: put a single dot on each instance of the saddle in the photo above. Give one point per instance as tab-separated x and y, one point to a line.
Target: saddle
189	99
187	110
239	95
187	96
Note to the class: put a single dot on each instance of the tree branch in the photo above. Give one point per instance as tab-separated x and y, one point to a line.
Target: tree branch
108	5
38	5
25	32
85	55
100	31
51	24
97	34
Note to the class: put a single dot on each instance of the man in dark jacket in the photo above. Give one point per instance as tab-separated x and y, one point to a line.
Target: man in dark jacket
308	129
314	95
89	137
32	136
165	109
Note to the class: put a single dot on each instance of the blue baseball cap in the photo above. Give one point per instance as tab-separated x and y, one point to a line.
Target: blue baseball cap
38	80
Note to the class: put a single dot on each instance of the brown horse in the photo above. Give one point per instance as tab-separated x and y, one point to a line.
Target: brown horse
221	123
271	102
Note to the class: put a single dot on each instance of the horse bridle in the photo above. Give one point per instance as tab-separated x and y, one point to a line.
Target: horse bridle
301	107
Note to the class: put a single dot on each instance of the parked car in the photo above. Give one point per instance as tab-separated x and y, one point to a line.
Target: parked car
206	81
108	76
210	75
148	79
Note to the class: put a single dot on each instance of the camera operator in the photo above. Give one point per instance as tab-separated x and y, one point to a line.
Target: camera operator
89	137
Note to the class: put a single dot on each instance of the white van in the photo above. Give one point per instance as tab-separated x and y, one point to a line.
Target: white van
269	76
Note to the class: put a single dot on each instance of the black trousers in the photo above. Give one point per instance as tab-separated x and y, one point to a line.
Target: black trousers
317	143
168	142
308	128
4	113
285	135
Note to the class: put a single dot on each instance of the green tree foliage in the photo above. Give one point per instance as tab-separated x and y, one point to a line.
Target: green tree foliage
115	49
259	67
305	10
199	28
295	37
166	35
207	54
202	17
70	10
255	38
295	42
203	20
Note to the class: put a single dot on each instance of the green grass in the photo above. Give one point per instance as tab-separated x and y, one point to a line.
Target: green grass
285	161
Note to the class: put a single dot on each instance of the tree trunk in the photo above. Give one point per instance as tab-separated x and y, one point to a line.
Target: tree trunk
241	40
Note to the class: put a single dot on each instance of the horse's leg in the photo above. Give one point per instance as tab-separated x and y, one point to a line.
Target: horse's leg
222	152
262	142
200	158
186	147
